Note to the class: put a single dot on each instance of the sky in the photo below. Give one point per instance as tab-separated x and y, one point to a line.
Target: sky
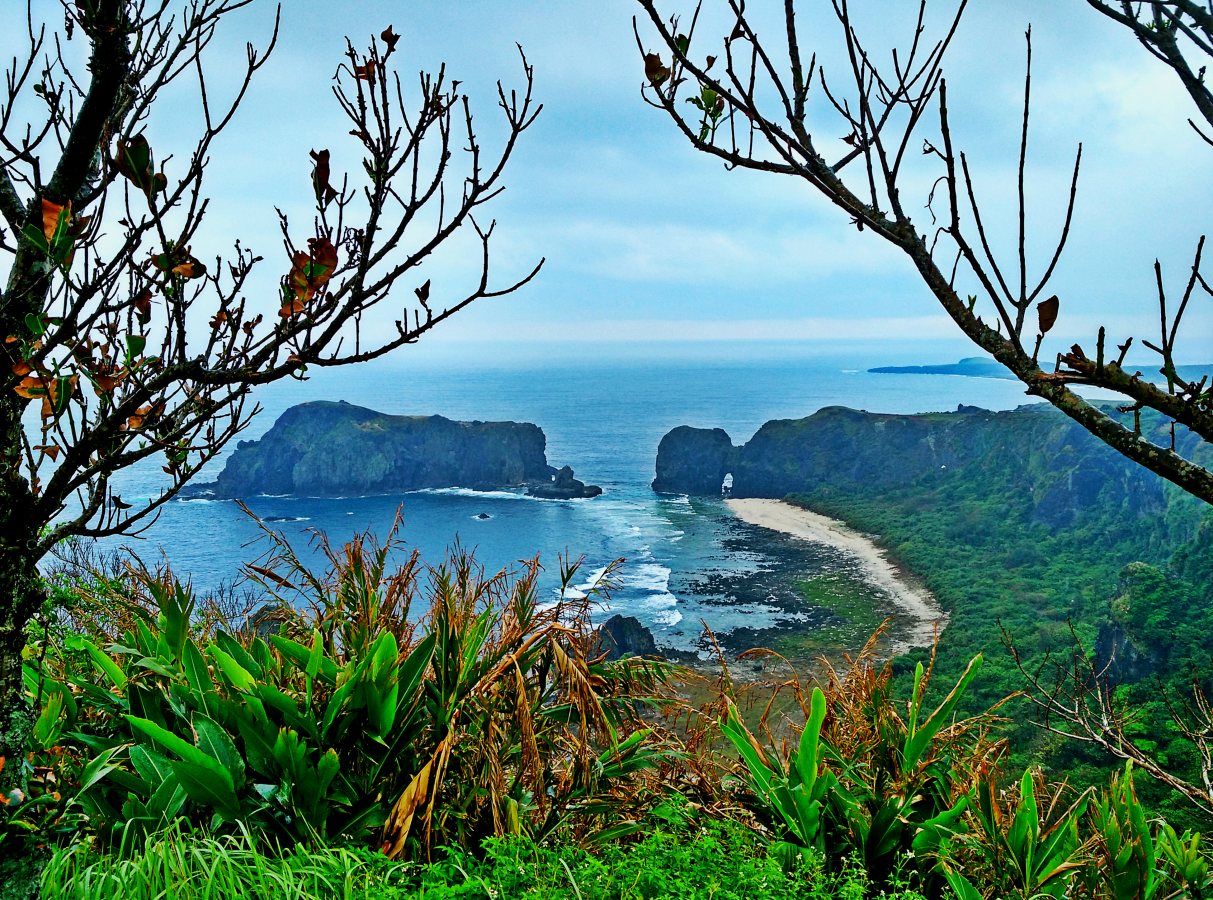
647	240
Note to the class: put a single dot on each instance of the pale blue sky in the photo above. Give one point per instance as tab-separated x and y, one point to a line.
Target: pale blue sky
647	240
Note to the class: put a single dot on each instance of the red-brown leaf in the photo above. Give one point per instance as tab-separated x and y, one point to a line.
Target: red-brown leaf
325	192
654	69
51	214
143	307
1046	310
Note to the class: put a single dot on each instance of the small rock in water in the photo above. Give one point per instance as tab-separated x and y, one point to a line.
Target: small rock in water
564	486
483	516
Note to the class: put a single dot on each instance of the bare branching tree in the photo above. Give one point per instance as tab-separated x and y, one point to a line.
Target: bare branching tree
752	102
1178	33
119	343
1075	697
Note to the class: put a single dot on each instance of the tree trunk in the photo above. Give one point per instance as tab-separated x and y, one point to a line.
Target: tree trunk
21	596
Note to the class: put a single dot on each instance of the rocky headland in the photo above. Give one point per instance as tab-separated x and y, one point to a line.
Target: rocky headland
336	449
1034	451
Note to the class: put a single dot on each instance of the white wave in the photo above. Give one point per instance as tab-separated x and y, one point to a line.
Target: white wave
675	499
493	495
468	492
652	577
659	601
668	617
594	581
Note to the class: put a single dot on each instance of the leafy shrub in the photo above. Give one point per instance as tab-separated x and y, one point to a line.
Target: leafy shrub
865	779
487	713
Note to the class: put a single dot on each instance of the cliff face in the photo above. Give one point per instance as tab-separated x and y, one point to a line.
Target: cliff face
694	460
336	449
1033	454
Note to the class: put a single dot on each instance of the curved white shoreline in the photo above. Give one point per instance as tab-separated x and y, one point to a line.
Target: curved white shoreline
918	604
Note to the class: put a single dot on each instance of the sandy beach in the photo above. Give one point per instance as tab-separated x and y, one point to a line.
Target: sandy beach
917	603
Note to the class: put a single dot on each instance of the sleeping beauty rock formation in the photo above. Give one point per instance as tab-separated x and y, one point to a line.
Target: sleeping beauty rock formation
334	449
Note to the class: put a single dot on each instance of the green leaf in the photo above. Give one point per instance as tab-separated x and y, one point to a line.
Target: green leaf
153	767
961	886
211	788
920	739
233	649
50	721
316	656
259	738
34	235
197	673
105	664
176	744
135	344
155	665
166	801
301	656
239	677
383	654
215	742
97	769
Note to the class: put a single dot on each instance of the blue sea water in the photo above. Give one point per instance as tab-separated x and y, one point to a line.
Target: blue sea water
604	410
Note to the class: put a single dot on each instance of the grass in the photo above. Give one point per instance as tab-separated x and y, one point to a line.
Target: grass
856	615
712	862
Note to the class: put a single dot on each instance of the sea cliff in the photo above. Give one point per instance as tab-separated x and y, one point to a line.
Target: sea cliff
330	449
1034	453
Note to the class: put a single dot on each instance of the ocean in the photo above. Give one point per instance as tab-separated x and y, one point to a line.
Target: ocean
686	561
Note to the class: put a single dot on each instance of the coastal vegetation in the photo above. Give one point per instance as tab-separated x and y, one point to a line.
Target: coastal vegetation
342	745
1028	532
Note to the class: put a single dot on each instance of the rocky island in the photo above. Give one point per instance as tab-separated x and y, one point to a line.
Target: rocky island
985	367
336	449
972	366
564	486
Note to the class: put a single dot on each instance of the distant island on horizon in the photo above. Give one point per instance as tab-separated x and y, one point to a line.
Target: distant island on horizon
984	367
972	366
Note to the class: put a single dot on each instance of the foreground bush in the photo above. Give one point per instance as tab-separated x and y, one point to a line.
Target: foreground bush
365	718
717	862
907	791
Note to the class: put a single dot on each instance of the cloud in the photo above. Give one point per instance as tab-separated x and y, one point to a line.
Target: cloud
685	253
906	328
